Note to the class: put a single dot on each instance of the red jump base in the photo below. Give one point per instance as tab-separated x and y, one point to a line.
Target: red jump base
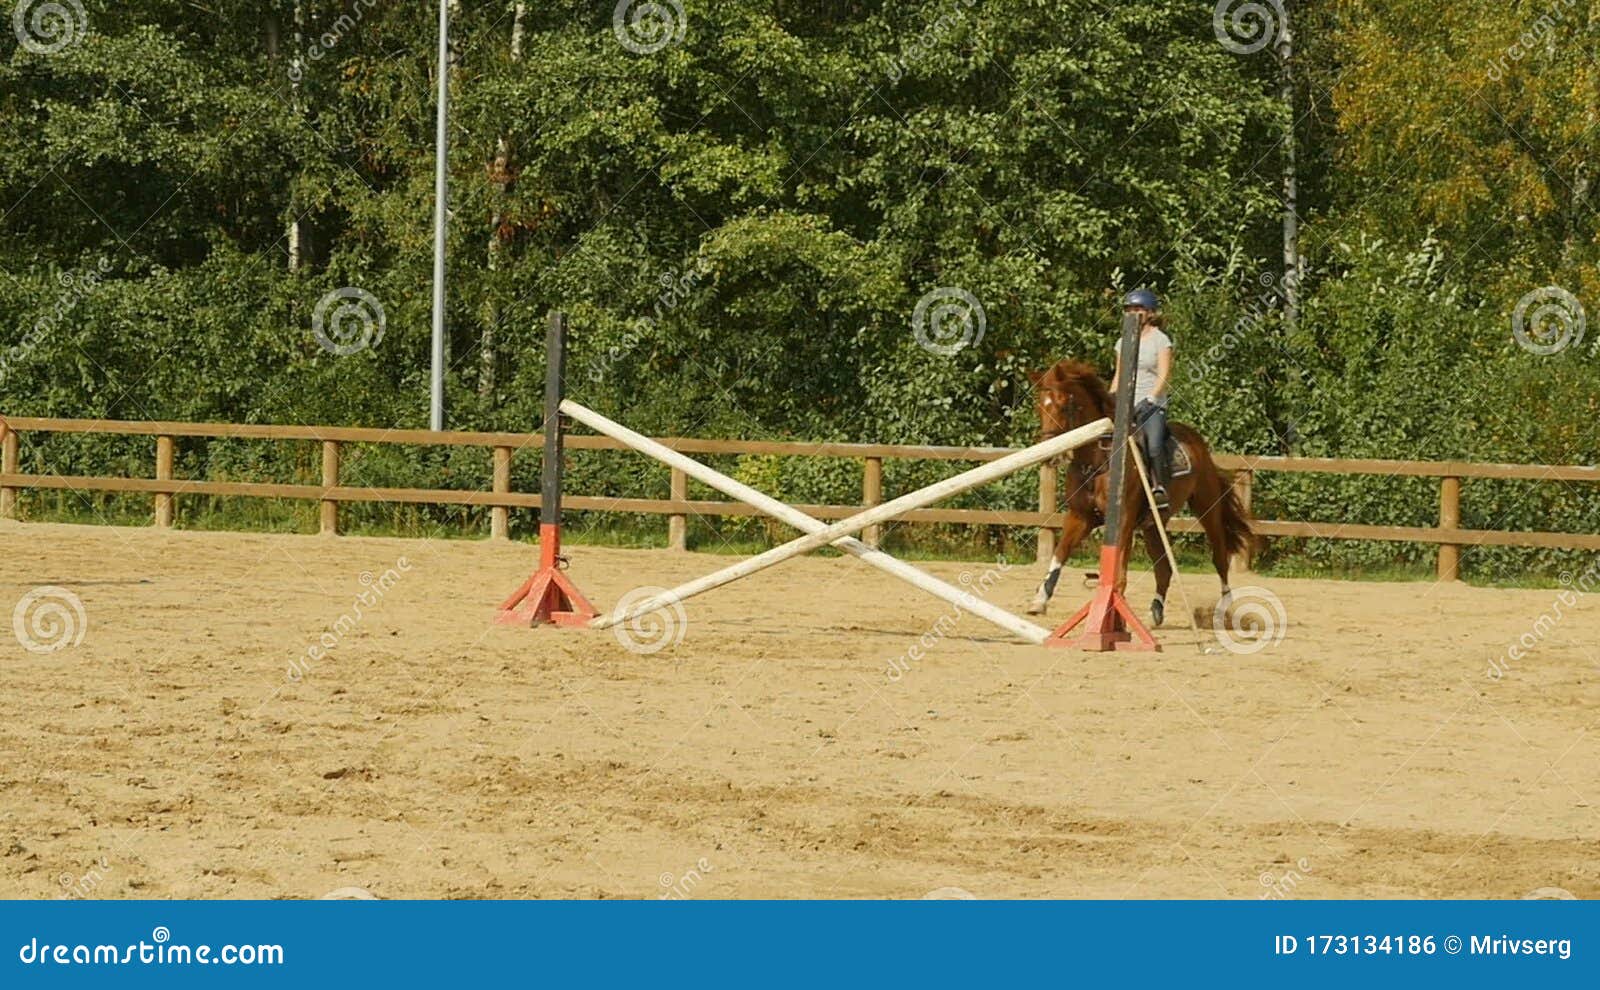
549	596
1107	622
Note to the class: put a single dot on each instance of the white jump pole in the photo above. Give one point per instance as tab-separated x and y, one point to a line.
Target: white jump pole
1011	463
799	520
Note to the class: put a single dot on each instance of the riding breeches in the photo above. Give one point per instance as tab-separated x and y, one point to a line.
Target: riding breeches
1151	420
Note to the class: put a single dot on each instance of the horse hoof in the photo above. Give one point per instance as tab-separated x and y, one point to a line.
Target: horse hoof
1037	608
1158	612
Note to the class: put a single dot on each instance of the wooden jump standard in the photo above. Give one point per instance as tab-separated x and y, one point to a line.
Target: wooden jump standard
548	595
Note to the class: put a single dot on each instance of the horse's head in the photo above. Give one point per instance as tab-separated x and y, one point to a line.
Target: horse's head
1069	395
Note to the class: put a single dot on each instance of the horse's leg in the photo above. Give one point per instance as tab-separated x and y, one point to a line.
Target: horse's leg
1207	504
1158	553
1073	529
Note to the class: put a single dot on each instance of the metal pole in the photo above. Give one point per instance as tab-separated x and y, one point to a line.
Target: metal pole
555	356
441	191
1129	357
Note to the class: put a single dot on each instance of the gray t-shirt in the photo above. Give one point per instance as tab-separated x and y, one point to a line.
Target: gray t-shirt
1144	384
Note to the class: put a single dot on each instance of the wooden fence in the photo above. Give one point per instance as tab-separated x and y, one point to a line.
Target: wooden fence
164	488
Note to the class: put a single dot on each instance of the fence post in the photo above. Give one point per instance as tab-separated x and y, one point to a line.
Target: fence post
1449	518
164	473
500	515
1244	482
1049	506
10	446
330	479
872	494
677	523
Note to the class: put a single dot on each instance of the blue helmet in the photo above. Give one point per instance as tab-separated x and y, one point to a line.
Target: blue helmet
1142	297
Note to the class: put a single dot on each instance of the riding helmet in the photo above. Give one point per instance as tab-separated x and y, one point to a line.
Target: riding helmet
1142	297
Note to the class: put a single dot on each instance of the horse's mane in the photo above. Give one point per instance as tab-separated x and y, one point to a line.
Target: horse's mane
1070	373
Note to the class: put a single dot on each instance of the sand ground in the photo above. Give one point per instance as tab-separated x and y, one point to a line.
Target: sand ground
787	746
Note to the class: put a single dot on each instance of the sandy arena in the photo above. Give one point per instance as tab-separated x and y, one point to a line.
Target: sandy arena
784	748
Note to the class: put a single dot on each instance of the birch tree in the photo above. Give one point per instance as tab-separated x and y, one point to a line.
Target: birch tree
501	176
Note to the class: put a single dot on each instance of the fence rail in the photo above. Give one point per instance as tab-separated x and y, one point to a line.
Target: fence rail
1448	534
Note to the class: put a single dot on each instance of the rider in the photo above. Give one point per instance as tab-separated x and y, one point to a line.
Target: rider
1150	386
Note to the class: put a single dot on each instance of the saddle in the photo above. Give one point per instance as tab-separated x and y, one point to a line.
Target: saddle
1177	456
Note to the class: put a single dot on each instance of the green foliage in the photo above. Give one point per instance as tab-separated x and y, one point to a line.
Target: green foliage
743	223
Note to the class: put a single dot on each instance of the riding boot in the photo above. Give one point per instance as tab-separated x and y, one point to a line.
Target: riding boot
1152	444
1160	476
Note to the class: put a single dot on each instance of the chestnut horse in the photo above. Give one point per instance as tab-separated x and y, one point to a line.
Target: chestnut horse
1070	395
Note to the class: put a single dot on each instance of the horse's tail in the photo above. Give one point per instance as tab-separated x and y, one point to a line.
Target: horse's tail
1237	536
1236	531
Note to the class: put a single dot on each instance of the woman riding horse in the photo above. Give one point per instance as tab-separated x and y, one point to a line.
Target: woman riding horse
1071	394
1150	387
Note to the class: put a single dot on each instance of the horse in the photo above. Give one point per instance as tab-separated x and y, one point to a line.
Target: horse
1070	394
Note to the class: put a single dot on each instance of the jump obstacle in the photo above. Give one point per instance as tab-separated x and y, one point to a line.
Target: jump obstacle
549	597
820	535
